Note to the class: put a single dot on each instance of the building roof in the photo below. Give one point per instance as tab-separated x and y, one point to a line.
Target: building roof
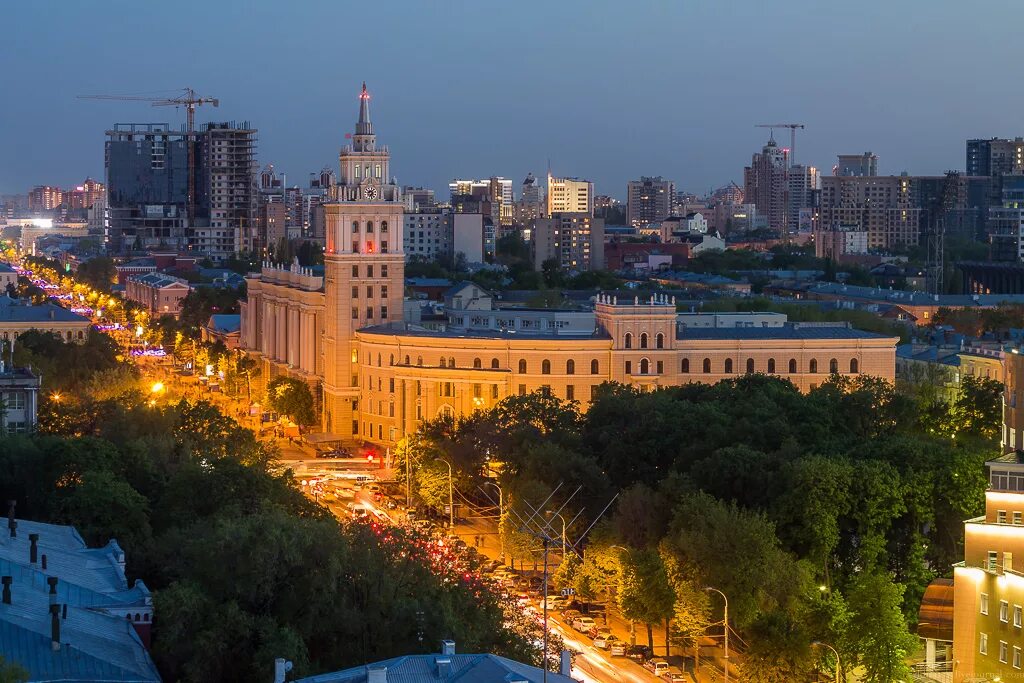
13	310
6	268
787	331
935	617
137	263
96	642
428	282
225	323
160	280
909	298
411	330
483	668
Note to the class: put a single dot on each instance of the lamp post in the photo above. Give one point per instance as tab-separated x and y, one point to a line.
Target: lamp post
725	622
835	652
559	515
451	495
501	508
632	623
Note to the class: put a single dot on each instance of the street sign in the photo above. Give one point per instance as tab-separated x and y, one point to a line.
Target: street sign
566	592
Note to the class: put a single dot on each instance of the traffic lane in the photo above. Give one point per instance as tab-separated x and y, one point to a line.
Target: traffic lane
600	664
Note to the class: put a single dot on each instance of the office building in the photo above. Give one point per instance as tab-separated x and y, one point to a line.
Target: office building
649	200
569	195
765	184
68	611
574	240
997	156
865	164
43	198
378	375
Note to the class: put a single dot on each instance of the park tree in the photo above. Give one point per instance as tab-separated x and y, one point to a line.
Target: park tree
645	593
291	397
877	630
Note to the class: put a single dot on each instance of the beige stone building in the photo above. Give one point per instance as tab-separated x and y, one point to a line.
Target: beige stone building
377	376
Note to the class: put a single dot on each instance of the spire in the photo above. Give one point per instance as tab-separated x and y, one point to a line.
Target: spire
364	127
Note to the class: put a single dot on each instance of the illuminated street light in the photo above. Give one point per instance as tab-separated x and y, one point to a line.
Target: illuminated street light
836	653
56	396
157	387
725	622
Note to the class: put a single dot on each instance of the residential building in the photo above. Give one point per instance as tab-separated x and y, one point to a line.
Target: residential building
840	241
84	196
472	235
574	240
765	184
804	198
378	374
569	195
649	200
44	198
228	186
271	221
996	156
68	612
865	164
18	316
428	233
646	256
446	667
158	293
19	390
417	198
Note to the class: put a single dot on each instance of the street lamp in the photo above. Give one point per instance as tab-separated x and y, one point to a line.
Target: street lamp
835	652
451	496
501	508
56	396
632	623
725	622
157	387
559	515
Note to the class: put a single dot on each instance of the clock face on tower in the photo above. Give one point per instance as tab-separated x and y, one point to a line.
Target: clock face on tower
370	192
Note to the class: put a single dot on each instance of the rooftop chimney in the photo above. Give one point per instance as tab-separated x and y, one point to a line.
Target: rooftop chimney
55	627
6	581
44	561
52	581
11	524
448	647
377	674
33	549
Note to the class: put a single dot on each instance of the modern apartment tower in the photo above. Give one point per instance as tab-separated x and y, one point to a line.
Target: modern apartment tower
649	200
569	195
765	184
227	186
997	156
865	164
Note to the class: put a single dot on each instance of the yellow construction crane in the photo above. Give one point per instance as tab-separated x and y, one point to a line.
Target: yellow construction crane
190	101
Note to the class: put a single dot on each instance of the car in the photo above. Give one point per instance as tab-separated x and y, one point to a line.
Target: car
639	653
583	624
373	488
604	640
554	602
617	648
570	614
674	675
657	666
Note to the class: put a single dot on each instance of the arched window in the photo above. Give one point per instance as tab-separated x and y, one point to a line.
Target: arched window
833	366
369	227
495	364
522	366
407	360
570	367
853	366
792	366
645	366
419	361
383	226
707	366
659	341
442	362
685	366
545	367
750	366
355	227
628	341
813	366
728	365
477	363
594	367
771	366
392	361
643	340
451	362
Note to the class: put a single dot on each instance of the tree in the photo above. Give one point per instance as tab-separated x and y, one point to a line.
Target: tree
645	594
291	397
99	273
12	673
877	630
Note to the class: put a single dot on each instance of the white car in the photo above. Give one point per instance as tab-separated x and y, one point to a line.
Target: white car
604	640
583	624
658	666
617	648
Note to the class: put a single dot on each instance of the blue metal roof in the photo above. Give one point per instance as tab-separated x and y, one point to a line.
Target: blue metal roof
483	668
226	323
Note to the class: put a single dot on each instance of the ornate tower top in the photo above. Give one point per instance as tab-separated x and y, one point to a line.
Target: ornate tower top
363	126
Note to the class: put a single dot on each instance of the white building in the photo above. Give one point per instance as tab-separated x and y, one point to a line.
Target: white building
428	234
570	195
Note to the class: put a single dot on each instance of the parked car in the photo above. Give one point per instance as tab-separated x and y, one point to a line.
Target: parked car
583	624
594	630
554	602
639	653
569	614
604	639
617	648
657	666
675	675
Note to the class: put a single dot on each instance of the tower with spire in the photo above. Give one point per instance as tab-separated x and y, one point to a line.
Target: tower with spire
364	270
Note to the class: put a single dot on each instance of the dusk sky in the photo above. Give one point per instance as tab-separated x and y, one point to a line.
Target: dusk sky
605	90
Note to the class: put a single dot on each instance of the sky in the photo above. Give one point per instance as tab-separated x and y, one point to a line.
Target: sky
601	89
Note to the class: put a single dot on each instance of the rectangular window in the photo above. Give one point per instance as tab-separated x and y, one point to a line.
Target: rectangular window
545	390
355	313
993	560
369	271
983	643
1004	611
355	426
570	392
383	312
1018	615
355	380
369	292
391	385
1016	657
983	603
383	291
522	390
391	409
629	367
384	270
369	312
494	391
1017	517
1003	651
355	292
1007	561
661	367
355	271
1001	516
15	400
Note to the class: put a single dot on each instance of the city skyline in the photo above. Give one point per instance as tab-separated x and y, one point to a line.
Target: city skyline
461	101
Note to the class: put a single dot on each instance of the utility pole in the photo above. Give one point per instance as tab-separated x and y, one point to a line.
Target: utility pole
725	622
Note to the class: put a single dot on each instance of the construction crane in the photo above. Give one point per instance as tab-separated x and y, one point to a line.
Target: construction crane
792	134
941	206
190	101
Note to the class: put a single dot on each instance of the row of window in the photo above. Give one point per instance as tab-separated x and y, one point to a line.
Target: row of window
1004	650
1004	611
369	270
369	227
1001	517
812	366
659	341
369	313
369	292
